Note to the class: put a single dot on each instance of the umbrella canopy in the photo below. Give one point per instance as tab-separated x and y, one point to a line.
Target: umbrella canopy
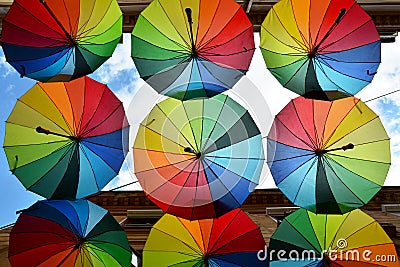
328	156
192	49
60	40
352	239
68	233
231	240
321	49
66	140
198	159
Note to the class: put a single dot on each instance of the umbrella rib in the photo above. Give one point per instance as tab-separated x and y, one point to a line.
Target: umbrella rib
373	161
191	128
288	33
208	28
96	248
86	39
241	175
172	164
184	52
119	108
38	20
172	122
71	131
322	143
42	115
192	61
219	80
88	140
182	187
91	167
302	125
195	194
83	30
244	158
204	50
349	33
204	148
223	231
293	134
197	252
299	48
305	176
321	246
69	37
327	163
166	152
353	173
218	33
166	14
353	130
227	190
256	229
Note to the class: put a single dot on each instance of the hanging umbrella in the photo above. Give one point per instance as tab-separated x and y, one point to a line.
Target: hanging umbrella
60	40
328	156
352	239
231	240
198	159
68	233
66	140
192	49
322	49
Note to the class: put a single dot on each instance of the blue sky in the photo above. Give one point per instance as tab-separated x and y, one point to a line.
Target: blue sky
120	75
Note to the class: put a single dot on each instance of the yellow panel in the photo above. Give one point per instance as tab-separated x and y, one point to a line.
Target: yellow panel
38	100
194	228
301	10
148	139
358	116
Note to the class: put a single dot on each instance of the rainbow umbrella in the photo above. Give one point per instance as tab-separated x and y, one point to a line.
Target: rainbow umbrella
68	233
353	239
198	159
321	49
66	140
328	156
229	241
60	40
192	49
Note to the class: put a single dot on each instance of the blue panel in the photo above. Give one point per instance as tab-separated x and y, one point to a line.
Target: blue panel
87	183
212	83
95	214
113	157
118	139
289	159
240	259
103	172
67	208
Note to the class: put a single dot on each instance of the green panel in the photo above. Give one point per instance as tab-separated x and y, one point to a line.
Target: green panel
371	170
194	111
111	255
175	111
166	258
333	223
286	233
31	173
361	187
100	49
160	123
318	222
155	14
341	192
289	62
145	31
300	221
212	110
146	50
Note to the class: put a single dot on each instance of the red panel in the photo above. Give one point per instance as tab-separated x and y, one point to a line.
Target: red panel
236	53
93	93
76	93
305	109
240	235
331	15
67	13
108	116
219	227
355	29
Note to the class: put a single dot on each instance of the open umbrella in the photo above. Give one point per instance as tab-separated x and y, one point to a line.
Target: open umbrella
198	159
328	156
321	49
68	233
66	140
192	49
353	239
231	240
60	40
